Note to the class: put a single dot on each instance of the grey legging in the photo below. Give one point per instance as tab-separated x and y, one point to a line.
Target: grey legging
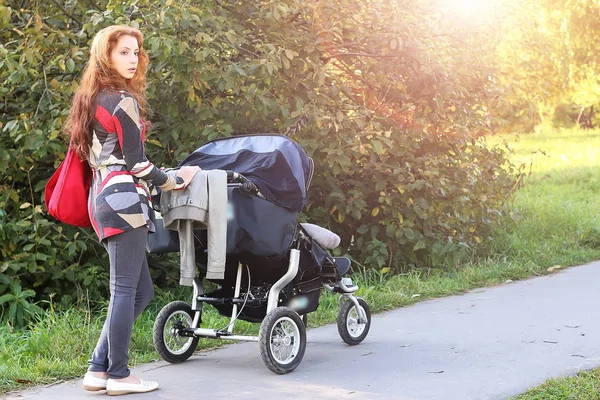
131	290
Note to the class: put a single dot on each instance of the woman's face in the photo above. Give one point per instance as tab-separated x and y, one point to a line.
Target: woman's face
124	57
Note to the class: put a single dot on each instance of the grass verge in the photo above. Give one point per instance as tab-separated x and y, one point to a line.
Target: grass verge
556	219
583	386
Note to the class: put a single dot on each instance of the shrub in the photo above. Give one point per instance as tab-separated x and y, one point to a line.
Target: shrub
384	96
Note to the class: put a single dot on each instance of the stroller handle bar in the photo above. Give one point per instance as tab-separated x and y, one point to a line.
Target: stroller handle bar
245	184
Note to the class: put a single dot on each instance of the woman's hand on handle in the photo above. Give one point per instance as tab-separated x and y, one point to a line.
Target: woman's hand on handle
187	173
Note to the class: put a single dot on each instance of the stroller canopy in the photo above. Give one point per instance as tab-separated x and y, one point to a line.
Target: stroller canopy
276	164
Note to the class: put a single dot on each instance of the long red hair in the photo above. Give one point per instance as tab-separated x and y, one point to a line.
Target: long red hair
99	74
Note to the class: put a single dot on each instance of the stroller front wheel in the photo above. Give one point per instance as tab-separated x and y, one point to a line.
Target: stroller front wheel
351	327
282	340
170	322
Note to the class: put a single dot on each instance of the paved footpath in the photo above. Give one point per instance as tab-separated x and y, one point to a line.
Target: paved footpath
488	344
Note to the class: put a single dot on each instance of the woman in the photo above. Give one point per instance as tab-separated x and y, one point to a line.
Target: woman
107	125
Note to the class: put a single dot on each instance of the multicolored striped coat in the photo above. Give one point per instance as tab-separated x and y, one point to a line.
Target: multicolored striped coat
122	175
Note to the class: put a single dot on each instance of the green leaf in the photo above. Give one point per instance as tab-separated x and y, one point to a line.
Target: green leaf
29	56
10	125
6	298
154	142
377	146
419	245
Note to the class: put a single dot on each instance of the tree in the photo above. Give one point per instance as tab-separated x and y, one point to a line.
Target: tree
549	58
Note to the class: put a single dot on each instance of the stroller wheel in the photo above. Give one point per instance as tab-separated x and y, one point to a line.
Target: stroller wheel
282	340
171	320
351	329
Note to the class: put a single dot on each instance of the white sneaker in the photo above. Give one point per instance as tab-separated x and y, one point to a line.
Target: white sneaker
116	388
93	384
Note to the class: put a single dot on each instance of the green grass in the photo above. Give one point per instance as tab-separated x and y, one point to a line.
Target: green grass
555	223
557	219
583	386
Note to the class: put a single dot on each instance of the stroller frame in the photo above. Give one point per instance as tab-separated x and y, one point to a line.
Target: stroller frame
283	319
353	322
198	290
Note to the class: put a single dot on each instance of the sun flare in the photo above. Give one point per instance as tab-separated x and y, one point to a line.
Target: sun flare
471	8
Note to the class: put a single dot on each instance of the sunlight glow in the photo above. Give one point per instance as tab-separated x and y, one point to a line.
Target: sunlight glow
471	8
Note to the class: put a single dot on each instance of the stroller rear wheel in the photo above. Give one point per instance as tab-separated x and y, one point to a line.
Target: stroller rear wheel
351	328
282	340
170	322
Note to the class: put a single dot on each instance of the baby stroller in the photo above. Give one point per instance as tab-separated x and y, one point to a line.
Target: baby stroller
276	266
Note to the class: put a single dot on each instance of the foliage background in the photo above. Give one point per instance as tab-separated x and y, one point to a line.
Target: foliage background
392	100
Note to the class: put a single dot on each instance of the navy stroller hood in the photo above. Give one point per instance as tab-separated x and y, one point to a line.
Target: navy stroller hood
276	164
